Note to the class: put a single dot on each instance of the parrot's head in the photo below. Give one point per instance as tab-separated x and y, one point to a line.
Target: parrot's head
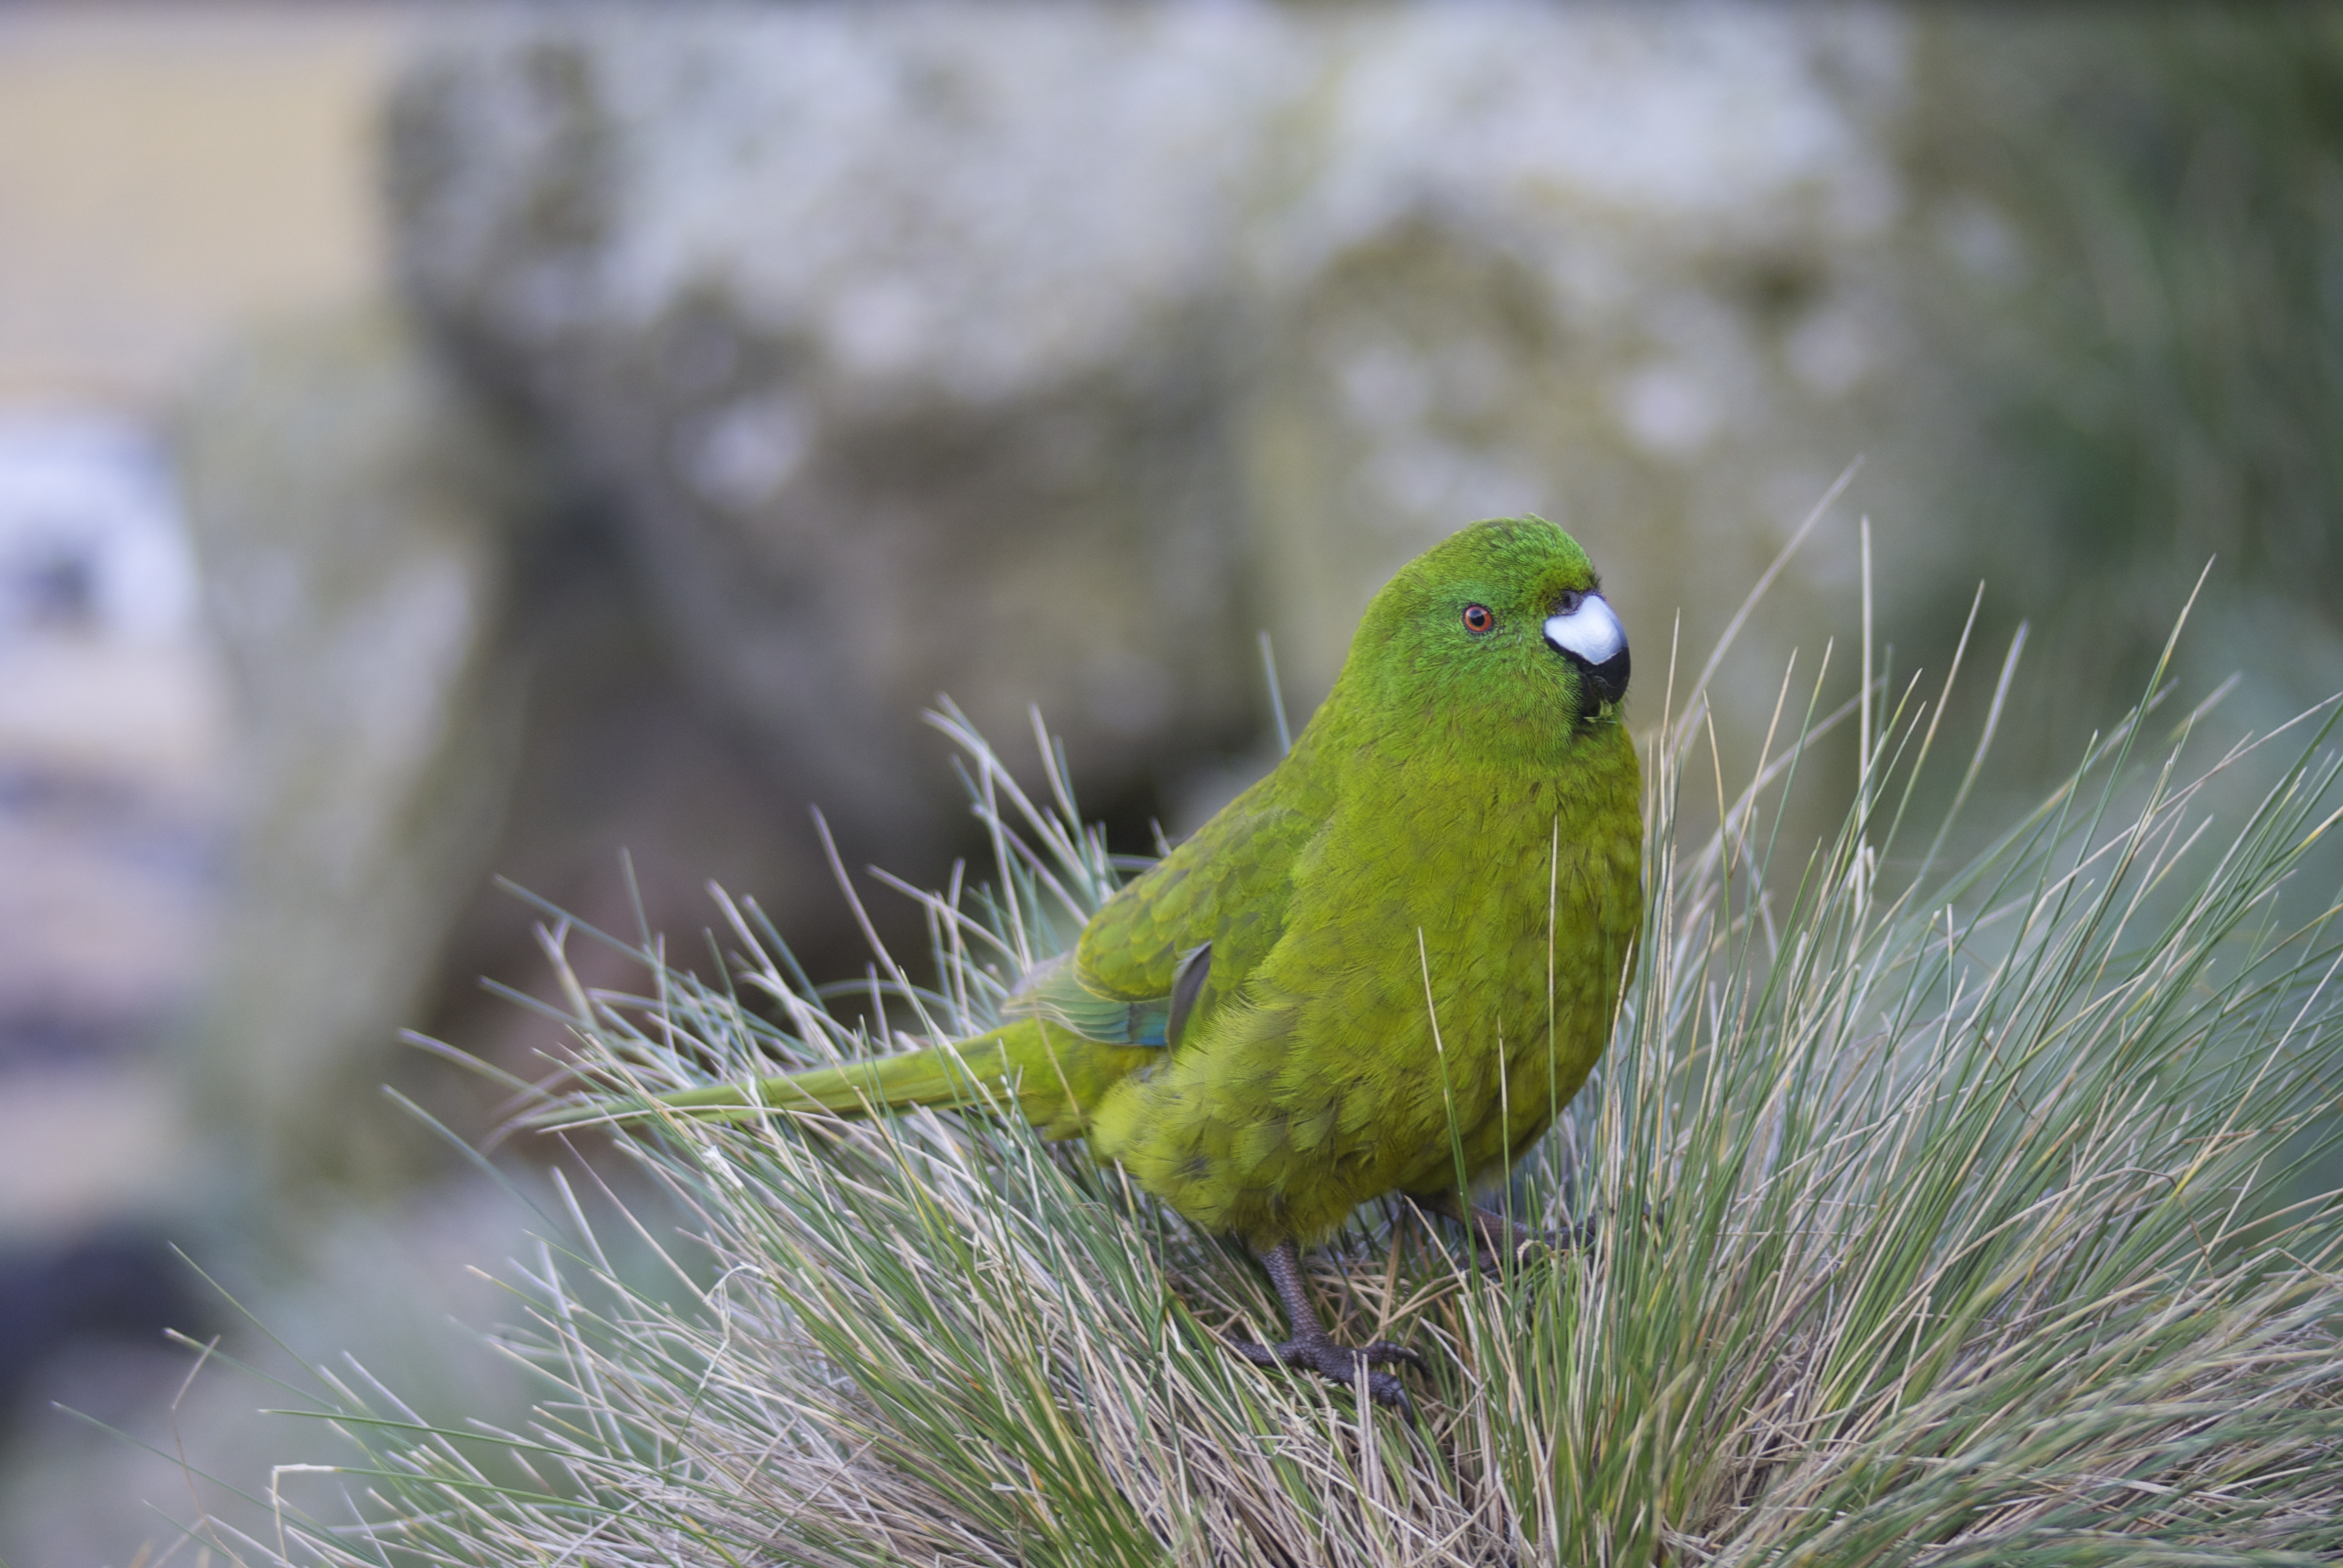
1500	630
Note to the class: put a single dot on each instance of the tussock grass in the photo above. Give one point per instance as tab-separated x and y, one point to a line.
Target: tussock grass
1934	1216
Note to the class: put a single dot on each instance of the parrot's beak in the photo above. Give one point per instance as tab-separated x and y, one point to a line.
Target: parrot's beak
1590	637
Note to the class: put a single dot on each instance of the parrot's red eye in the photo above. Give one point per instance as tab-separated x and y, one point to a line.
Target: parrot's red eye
1477	618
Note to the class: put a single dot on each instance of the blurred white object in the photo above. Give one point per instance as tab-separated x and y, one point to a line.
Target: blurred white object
104	669
112	731
90	538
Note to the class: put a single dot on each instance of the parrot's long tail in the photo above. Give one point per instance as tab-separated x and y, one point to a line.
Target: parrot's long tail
1050	1076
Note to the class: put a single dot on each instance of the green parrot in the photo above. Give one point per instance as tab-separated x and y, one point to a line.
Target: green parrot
1383	968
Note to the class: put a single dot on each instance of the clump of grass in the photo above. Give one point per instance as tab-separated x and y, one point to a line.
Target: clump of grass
1936	1215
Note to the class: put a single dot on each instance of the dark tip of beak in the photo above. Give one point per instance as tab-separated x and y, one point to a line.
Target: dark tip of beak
1610	677
1600	683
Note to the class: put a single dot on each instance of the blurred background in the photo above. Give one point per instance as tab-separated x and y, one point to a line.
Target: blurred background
440	443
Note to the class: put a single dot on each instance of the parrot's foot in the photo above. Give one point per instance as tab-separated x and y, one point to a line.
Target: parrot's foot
1313	1348
1340	1364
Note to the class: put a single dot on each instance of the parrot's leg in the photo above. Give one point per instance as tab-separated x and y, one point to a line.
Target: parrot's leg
1312	1347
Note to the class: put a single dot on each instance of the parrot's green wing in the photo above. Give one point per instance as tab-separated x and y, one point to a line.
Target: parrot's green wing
1190	930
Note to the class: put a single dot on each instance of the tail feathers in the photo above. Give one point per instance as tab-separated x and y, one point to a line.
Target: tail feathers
1051	1077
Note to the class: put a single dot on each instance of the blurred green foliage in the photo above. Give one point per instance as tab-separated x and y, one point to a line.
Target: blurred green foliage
2169	387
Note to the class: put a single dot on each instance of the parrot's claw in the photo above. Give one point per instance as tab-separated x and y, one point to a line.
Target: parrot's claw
1341	1363
1313	1348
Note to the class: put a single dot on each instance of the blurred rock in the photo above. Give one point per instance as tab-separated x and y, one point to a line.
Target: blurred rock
444	674
630	795
1623	268
902	339
1040	354
353	513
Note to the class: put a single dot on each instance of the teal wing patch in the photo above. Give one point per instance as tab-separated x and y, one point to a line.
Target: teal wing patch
1053	991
